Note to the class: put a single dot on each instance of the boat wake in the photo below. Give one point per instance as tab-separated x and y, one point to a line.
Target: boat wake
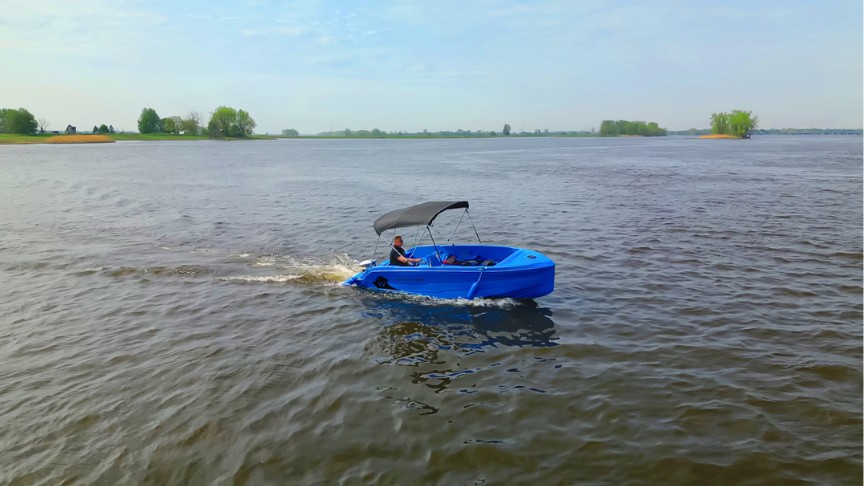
273	269
386	297
287	269
505	303
219	266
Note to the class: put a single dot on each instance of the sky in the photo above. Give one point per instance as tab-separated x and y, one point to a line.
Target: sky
396	65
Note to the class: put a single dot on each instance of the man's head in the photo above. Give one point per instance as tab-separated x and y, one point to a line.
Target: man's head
397	241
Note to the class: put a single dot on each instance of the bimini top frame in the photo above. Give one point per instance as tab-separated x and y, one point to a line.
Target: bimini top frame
420	215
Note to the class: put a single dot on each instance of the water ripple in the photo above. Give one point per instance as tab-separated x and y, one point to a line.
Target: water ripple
190	328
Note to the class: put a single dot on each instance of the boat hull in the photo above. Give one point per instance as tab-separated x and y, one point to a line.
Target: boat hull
520	274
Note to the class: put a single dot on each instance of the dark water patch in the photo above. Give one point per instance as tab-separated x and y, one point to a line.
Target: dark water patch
794	292
852	289
856	256
155	271
832	372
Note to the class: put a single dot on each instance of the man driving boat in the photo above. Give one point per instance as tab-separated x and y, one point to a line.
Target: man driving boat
397	254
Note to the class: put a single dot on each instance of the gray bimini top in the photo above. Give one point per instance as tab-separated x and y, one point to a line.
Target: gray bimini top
421	214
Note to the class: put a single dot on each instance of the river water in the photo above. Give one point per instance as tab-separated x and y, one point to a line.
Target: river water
171	314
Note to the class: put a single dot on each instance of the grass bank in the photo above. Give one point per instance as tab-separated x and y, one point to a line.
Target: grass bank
14	138
79	139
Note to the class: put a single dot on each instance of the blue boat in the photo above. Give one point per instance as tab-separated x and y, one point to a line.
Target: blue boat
452	271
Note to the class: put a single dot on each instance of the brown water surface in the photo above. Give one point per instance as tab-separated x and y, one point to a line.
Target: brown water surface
171	314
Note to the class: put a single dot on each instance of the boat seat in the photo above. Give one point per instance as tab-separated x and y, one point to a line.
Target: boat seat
473	261
433	260
463	258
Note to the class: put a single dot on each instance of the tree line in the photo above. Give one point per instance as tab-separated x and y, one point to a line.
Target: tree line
613	128
458	133
103	129
376	133
807	131
225	121
22	122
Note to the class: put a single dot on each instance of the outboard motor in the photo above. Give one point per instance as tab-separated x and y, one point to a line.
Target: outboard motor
364	265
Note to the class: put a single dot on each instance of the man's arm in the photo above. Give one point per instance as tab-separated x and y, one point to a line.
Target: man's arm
405	259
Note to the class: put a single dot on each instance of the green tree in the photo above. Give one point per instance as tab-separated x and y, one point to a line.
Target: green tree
4	113
191	125
170	125
720	123
506	130
290	132
742	123
149	121
228	122
18	121
178	124
244	124
608	128
103	129
221	121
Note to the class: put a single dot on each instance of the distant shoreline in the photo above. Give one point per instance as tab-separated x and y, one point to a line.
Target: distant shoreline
14	139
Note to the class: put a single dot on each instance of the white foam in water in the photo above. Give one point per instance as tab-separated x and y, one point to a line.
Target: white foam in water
334	272
505	303
262	278
264	261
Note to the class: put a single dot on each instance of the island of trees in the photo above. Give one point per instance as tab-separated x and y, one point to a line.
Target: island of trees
737	124
614	128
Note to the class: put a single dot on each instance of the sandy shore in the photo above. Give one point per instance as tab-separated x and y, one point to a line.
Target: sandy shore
718	135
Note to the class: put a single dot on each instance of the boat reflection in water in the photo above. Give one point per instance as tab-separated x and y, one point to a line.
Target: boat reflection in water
468	328
433	337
